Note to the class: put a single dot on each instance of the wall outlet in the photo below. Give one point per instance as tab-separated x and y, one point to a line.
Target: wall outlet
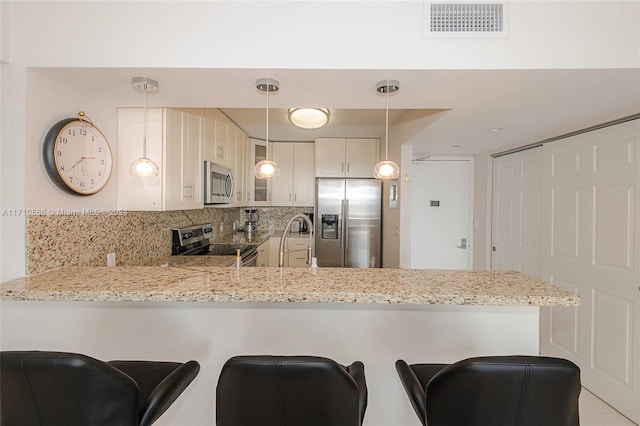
111	259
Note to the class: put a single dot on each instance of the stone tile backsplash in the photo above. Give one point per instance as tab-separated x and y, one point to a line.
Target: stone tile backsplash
137	238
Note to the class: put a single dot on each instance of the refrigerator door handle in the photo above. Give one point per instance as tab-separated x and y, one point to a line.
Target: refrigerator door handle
340	227
345	224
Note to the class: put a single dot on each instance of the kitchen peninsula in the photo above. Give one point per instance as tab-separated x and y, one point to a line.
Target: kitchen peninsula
212	313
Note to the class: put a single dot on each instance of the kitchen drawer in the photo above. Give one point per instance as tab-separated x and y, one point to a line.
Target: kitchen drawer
297	248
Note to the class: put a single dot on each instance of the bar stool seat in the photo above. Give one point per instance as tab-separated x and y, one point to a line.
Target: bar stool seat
290	391
40	388
497	391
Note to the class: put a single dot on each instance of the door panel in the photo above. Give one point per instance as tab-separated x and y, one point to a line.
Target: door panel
613	226
565	222
517	210
592	182
565	321
609	314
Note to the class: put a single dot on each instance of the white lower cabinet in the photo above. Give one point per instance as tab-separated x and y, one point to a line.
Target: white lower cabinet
274	251
263	255
297	249
174	143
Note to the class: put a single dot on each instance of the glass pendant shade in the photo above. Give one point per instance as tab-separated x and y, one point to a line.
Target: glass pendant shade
386	170
143	167
266	169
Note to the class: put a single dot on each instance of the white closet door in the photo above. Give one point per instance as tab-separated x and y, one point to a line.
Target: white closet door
516	212
591	242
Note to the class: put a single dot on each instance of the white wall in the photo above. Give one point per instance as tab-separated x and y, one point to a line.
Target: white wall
46	104
265	35
278	34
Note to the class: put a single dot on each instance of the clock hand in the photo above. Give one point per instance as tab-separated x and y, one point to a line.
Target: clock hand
81	159
76	163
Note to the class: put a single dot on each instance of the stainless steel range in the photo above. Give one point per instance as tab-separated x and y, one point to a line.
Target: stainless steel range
195	241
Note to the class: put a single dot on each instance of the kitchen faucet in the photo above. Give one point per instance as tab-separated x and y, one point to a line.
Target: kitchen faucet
284	237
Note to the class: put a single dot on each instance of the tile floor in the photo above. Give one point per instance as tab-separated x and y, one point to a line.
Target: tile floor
595	412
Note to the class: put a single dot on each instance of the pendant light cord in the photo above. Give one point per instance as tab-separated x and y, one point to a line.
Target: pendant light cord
386	135
144	137
267	138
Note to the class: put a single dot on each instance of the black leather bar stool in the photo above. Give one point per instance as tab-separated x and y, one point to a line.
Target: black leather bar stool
496	390
290	391
59	388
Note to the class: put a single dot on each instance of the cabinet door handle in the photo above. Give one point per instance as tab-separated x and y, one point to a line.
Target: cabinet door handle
295	197
347	167
289	197
342	167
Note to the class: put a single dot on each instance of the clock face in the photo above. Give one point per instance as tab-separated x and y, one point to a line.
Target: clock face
77	157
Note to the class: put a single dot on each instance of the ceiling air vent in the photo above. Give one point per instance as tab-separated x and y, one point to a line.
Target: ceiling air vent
465	20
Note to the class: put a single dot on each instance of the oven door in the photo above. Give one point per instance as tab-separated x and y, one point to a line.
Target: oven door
218	184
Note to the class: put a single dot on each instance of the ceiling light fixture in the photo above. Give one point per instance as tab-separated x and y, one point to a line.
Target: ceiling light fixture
309	118
387	169
267	169
144	166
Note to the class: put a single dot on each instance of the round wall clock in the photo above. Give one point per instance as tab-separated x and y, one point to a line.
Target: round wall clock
77	156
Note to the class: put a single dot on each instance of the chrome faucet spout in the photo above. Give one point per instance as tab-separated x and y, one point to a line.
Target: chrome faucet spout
284	237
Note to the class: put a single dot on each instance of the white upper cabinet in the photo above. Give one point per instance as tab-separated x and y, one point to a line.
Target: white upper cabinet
223	125
218	138
241	163
339	157
209	135
295	185
174	142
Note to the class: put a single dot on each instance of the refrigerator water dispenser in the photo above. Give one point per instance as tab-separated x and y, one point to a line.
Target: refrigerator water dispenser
329	227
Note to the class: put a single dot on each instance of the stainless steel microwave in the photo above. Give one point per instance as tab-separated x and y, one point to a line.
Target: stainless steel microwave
218	184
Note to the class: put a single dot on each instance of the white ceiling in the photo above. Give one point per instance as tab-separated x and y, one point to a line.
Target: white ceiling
434	109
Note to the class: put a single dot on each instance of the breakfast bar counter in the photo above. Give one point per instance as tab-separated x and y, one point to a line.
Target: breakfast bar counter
191	279
188	309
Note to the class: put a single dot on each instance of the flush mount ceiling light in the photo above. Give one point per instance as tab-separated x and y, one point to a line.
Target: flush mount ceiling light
266	169
144	166
309	118
387	169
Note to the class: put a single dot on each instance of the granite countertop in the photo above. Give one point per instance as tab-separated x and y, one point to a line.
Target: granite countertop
201	283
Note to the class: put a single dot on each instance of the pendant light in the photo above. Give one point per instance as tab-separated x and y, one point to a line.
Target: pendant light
267	169
387	169
144	166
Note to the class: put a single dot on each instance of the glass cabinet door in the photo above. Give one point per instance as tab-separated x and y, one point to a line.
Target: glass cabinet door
260	191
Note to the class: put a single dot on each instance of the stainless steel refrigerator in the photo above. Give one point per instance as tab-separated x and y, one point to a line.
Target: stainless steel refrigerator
348	222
